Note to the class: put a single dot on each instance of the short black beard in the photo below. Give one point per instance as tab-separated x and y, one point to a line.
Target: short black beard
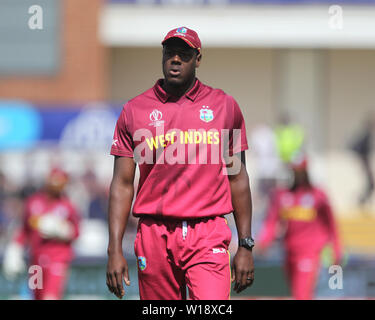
179	88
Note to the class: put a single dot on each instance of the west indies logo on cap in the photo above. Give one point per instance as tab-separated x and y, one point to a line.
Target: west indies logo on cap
181	30
186	34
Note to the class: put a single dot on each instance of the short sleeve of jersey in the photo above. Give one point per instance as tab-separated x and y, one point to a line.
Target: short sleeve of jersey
122	143
238	139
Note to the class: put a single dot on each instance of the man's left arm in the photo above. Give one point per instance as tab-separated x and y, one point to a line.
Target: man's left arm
242	265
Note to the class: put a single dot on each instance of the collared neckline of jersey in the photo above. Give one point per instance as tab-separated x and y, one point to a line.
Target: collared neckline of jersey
164	96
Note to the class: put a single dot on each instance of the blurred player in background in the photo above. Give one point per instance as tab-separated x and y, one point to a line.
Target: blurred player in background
305	213
50	224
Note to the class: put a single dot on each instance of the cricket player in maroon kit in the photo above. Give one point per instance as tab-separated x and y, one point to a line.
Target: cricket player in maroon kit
50	224
176	131
306	214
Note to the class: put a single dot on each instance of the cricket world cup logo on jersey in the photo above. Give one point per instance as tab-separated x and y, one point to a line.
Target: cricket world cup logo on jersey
142	263
155	117
206	114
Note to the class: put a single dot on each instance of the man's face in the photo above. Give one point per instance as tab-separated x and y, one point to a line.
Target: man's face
56	184
300	176
179	62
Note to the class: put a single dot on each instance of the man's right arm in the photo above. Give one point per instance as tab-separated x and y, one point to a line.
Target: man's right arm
120	201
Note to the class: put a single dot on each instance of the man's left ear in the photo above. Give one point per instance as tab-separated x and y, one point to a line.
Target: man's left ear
198	60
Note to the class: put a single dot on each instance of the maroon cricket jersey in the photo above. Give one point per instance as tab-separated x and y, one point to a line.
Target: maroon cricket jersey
308	220
180	145
49	250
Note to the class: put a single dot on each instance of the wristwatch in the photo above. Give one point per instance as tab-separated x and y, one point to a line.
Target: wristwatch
247	243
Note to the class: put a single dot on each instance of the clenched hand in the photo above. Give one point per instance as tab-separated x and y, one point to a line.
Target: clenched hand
117	270
242	269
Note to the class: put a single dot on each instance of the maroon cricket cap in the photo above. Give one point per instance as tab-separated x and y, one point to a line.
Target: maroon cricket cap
58	175
186	34
299	162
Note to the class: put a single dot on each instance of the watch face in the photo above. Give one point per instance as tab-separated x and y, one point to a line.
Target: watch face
247	243
250	242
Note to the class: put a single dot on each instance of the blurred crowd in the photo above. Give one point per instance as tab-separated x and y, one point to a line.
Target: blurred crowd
87	192
274	147
362	146
11	204
273	151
